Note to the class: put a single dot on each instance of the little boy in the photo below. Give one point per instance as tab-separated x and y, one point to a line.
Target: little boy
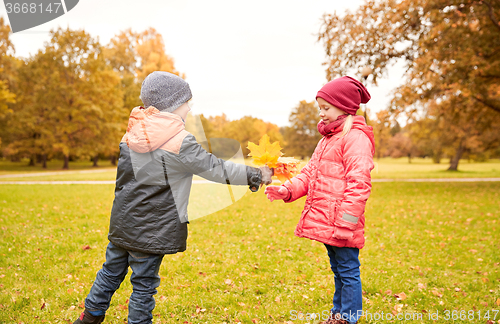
158	158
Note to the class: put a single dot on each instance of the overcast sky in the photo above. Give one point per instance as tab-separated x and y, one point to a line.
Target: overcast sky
241	58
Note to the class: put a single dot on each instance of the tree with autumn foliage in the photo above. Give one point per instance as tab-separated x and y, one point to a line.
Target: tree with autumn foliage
244	130
381	131
134	55
451	51
71	101
302	136
8	66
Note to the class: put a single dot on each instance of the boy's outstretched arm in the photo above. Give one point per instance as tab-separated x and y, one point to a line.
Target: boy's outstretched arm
195	159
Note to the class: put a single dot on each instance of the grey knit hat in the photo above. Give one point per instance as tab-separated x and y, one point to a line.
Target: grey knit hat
164	91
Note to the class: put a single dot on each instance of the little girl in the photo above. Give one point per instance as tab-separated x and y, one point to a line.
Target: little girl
337	183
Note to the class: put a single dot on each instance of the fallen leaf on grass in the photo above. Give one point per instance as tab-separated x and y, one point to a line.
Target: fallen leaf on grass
43	306
228	281
86	247
436	293
400	296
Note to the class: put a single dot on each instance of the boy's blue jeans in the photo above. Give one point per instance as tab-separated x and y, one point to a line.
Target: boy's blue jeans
144	279
348	297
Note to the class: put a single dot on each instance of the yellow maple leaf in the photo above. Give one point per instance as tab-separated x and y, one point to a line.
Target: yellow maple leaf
265	153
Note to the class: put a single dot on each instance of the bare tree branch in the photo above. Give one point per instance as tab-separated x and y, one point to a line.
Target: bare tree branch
488	104
492	14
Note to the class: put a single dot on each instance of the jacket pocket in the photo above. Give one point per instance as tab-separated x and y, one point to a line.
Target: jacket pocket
332	211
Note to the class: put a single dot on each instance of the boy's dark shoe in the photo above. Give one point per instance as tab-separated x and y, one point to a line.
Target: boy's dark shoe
87	318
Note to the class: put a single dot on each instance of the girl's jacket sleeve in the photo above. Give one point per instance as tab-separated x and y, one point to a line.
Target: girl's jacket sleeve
358	162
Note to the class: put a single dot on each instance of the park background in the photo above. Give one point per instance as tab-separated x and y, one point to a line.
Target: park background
431	246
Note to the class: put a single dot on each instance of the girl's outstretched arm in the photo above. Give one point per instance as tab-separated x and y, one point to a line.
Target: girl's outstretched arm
299	185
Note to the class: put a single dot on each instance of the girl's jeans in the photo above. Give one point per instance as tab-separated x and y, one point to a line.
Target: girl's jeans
348	297
144	279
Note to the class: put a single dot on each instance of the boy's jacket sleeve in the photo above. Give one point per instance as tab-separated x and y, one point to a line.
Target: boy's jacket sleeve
195	159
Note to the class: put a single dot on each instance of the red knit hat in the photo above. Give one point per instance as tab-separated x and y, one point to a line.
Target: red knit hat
345	93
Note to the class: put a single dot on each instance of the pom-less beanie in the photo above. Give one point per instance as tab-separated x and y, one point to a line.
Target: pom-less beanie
345	93
164	91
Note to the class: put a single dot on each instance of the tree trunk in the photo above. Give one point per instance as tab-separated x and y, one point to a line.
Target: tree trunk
66	162
44	161
95	159
32	161
113	160
458	154
409	157
436	156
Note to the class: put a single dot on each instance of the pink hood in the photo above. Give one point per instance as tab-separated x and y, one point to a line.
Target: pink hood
360	123
149	129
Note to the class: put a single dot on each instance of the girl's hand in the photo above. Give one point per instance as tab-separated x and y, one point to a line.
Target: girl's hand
276	192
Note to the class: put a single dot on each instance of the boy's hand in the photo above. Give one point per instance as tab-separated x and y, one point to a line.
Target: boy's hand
276	192
267	174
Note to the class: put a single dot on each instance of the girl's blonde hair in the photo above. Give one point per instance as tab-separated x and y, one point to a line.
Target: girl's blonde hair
347	126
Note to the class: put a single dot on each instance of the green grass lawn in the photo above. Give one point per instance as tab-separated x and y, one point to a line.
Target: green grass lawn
8	167
386	168
435	242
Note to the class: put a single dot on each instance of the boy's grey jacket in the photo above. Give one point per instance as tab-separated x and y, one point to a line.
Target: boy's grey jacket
158	158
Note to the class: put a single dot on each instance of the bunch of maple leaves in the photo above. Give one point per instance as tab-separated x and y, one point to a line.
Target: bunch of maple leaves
267	153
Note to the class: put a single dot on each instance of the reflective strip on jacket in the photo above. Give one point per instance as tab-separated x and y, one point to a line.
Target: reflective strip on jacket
337	183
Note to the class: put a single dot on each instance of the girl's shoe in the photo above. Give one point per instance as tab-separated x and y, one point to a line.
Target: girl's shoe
87	318
341	321
331	319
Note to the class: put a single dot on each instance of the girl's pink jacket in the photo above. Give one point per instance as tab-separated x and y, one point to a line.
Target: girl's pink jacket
337	183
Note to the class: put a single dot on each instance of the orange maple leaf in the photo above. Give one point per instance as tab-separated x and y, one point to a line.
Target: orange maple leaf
265	153
286	168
